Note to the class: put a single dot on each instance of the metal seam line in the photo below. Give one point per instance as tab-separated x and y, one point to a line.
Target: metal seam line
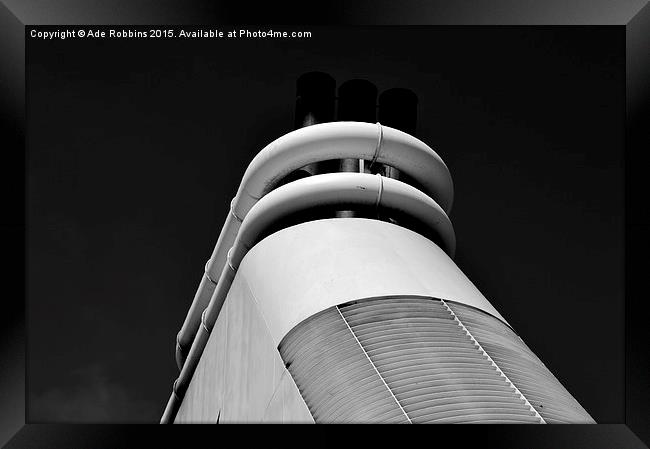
285	372
379	192
492	361
275	393
380	139
373	365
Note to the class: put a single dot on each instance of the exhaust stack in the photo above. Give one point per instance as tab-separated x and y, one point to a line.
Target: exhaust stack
315	103
315	99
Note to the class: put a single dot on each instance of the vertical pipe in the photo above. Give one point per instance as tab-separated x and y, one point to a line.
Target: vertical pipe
357	102
398	108
315	103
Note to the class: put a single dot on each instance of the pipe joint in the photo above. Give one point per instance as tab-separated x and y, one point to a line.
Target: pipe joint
380	190
207	272
203	322
233	204
380	138
229	259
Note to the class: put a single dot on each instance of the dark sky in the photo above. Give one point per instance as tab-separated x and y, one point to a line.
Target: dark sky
135	148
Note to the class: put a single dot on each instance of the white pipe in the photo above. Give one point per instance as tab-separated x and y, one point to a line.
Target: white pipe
334	189
325	141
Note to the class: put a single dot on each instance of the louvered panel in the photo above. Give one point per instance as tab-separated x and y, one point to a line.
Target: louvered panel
334	376
526	371
435	370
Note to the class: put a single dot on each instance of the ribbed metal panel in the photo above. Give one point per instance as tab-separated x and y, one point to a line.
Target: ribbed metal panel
435	370
542	389
335	377
406	359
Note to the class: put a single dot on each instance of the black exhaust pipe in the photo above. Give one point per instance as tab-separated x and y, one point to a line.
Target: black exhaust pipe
315	103
315	99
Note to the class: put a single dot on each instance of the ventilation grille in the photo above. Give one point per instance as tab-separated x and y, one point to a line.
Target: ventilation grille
545	393
421	360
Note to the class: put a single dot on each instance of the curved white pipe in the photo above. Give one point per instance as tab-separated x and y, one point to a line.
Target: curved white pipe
334	189
325	141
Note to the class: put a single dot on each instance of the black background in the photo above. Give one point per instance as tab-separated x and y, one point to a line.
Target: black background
135	148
